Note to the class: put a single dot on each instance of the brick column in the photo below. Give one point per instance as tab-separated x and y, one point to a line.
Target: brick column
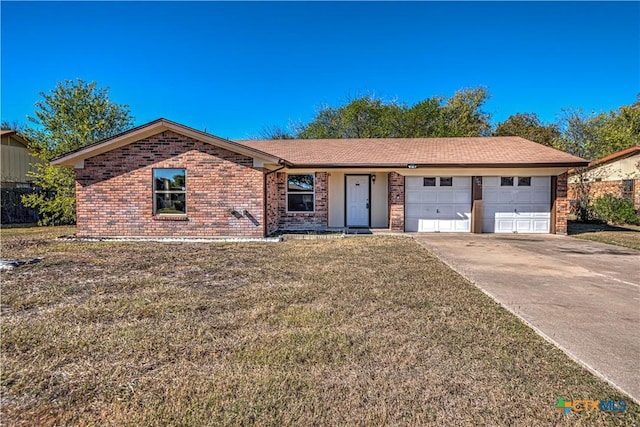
396	201
272	203
561	204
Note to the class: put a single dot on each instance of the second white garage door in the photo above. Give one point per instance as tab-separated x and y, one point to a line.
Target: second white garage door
438	204
516	204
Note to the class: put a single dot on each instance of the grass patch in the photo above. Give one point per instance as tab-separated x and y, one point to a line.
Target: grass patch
625	236
354	331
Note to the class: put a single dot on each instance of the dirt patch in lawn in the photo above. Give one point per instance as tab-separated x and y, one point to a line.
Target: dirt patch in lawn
353	331
627	236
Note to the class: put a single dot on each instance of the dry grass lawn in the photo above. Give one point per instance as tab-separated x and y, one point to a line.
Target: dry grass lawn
355	331
626	236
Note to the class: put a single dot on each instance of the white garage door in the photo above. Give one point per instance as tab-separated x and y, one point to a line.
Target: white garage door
438	204
516	204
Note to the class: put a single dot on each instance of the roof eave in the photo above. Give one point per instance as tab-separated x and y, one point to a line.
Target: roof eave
619	155
153	128
436	165
17	136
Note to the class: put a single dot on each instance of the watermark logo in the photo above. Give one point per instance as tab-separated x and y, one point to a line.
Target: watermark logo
588	405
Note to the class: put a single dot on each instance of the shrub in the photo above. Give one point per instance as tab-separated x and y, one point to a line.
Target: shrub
614	209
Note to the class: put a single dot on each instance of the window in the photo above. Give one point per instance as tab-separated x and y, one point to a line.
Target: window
429	182
169	192
446	182
300	196
524	181
506	181
627	189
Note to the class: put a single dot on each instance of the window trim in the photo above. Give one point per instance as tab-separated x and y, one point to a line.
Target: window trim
628	194
513	181
425	178
312	192
523	177
155	212
450	178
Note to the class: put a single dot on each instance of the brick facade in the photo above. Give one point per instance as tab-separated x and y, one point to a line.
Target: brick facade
598	189
279	219
225	194
273	202
561	204
115	191
396	201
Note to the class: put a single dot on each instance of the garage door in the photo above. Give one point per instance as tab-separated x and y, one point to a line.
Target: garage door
516	204
438	204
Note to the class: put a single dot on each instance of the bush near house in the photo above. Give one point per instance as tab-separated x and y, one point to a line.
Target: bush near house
617	210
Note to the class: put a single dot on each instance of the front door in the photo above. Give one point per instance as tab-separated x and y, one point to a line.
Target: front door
357	198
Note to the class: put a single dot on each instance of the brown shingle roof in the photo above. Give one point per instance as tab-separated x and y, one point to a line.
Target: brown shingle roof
393	152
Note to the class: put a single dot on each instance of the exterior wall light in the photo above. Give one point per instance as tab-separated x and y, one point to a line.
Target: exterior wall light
412	166
373	178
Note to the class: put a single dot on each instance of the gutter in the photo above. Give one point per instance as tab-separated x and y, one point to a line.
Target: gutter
438	165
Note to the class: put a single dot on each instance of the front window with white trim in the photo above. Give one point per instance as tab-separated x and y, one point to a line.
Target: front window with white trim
169	192
300	193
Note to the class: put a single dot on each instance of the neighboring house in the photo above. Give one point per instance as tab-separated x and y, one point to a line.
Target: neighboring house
16	160
16	163
166	179
617	174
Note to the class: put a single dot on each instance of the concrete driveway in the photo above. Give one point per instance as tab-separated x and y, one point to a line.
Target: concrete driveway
583	296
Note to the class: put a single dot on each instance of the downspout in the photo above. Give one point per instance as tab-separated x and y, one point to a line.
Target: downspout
264	191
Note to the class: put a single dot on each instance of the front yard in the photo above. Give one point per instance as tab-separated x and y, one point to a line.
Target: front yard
337	331
627	236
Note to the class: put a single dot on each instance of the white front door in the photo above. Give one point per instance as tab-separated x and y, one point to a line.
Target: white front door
516	204
357	200
438	204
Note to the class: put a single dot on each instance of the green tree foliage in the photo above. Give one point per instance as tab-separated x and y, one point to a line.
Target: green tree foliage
73	115
365	117
529	126
463	115
370	117
597	135
617	129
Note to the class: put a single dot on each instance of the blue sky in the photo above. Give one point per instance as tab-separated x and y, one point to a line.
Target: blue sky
236	67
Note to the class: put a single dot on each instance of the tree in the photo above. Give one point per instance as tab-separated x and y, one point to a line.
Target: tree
424	119
74	114
274	132
13	125
617	129
463	114
596	135
529	126
370	117
364	117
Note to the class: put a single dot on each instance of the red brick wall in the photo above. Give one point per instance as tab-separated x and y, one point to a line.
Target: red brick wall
273	202
600	188
396	201
562	204
115	194
297	221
